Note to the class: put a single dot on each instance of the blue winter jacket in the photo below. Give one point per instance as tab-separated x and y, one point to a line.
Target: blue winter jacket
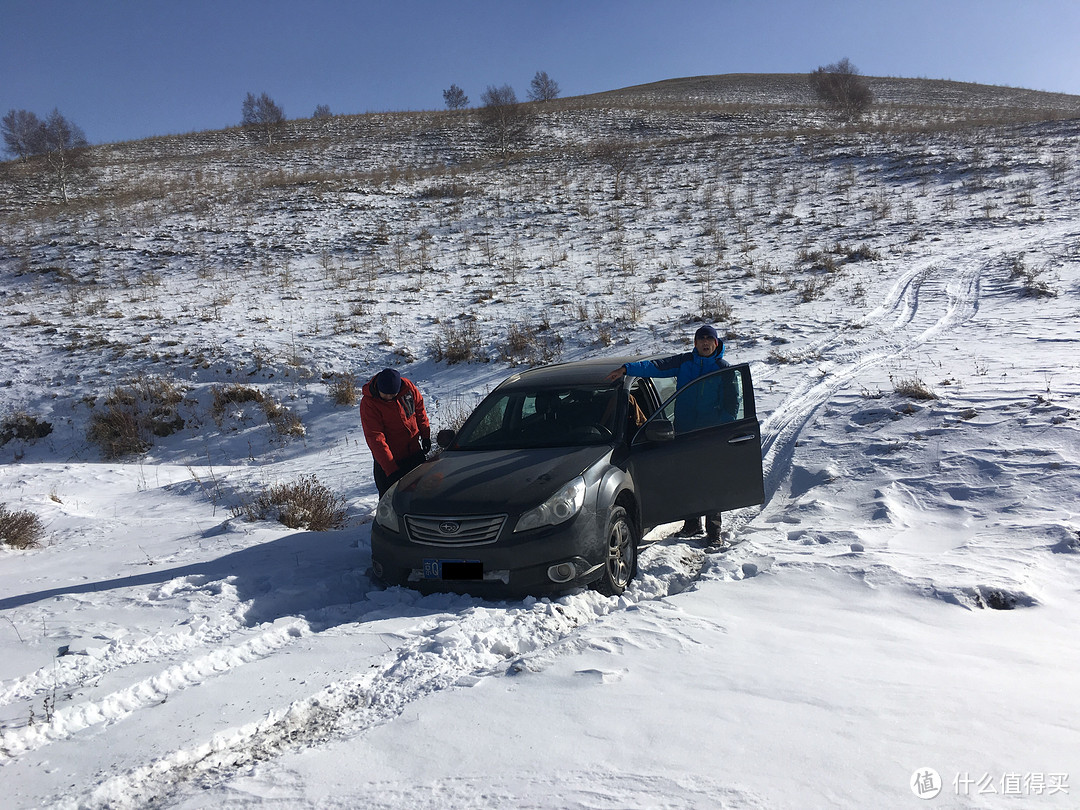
703	407
685	367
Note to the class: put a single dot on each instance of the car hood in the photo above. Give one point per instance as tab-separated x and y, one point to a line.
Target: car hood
481	482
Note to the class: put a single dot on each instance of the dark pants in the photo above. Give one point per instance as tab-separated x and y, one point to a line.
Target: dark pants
383	481
712	524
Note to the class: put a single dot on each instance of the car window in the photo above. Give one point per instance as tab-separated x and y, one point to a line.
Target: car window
707	402
665	386
487	421
546	417
640	393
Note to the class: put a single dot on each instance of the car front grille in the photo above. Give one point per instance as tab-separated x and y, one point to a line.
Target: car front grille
473	530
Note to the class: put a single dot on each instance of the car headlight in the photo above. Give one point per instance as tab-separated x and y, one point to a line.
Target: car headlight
385	515
557	509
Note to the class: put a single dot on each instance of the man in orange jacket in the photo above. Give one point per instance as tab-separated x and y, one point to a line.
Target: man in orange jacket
395	425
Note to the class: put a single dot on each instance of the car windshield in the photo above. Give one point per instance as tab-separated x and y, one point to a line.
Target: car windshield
568	416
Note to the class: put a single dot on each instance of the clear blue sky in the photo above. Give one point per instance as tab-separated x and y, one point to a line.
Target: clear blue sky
127	69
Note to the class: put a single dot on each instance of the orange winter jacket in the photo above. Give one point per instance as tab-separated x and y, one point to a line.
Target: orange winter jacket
394	429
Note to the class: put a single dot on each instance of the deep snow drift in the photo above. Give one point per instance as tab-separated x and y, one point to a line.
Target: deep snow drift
898	620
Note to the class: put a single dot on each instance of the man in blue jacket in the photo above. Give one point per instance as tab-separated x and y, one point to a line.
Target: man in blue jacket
707	357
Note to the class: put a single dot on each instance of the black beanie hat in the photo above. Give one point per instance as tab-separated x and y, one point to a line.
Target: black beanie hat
707	331
388	381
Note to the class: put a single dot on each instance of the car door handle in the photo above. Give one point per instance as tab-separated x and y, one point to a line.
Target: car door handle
749	437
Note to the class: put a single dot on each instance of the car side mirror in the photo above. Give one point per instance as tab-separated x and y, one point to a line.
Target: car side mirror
659	430
445	438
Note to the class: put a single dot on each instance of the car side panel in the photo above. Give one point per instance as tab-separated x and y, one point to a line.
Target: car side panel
714	468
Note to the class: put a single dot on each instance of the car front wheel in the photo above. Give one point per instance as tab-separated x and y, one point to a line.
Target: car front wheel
620	565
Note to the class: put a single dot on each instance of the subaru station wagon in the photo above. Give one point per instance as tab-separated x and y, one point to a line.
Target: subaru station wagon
555	477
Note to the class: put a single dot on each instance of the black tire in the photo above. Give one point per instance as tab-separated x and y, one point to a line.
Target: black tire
620	564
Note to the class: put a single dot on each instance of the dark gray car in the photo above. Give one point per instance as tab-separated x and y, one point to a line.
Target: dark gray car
557	474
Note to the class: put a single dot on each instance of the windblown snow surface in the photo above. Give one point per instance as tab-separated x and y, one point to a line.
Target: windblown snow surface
897	626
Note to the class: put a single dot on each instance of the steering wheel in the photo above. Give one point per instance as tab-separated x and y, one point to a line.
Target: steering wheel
597	429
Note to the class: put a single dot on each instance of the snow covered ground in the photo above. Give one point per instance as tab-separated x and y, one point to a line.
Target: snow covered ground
898	620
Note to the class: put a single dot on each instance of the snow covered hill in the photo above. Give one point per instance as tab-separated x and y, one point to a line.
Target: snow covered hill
897	620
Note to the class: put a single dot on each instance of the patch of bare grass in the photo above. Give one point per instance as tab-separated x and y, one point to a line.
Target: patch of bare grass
133	414
283	420
21	425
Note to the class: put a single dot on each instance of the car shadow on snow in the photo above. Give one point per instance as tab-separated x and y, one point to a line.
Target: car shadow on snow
323	577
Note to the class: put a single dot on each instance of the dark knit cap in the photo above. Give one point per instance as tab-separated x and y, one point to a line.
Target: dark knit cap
388	381
707	331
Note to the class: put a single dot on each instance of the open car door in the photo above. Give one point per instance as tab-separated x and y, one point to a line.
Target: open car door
701	451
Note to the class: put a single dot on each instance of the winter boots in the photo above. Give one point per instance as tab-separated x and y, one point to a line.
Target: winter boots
692	527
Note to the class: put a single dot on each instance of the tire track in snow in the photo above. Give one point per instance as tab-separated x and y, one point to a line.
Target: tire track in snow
452	651
478	642
881	335
458	651
75	670
70	720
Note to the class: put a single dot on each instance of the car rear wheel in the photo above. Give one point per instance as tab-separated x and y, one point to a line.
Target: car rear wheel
621	563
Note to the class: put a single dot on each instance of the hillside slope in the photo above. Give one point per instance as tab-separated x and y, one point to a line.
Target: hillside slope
792	89
897	618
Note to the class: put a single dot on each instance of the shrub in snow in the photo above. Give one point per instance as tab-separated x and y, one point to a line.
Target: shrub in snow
20	529
343	390
305	503
530	346
913	388
1033	281
23	426
134	413
284	421
456	344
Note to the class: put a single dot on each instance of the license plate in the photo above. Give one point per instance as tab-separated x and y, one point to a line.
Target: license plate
453	569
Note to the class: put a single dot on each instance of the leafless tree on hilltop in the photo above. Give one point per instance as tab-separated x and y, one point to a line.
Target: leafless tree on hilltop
455	98
504	119
543	87
841	87
262	115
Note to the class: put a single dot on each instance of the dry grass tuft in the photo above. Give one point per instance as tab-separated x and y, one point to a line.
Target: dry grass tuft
284	421
913	388
343	390
235	394
133	414
456	344
530	346
304	503
21	530
23	426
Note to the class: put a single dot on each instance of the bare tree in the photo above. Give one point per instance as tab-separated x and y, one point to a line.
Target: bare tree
58	144
24	134
262	115
455	98
506	122
65	150
543	87
619	156
322	111
840	86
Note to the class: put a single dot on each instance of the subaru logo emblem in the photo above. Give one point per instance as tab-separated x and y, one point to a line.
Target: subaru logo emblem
449	527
